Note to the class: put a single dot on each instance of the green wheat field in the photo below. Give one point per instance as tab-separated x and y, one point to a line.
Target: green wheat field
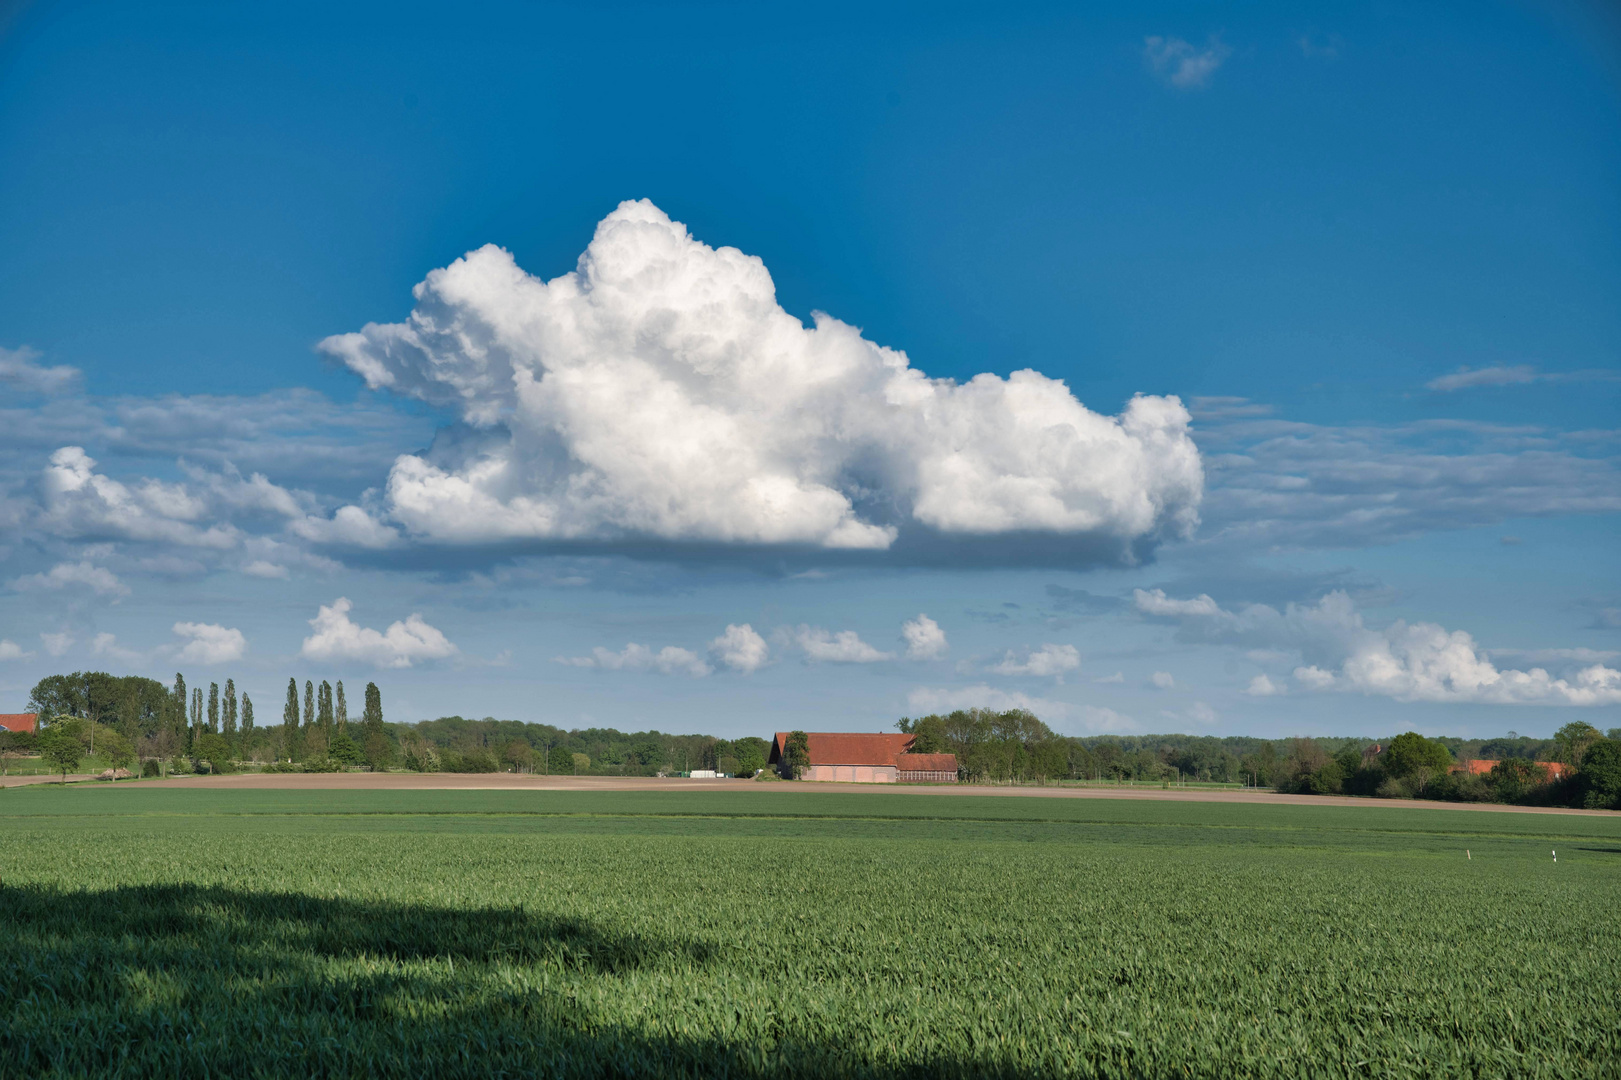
151	931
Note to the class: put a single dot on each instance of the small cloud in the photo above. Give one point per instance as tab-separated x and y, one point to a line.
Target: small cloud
1162	680
1155	602
1497	375
844	647
740	649
107	645
264	569
209	643
18	370
1261	686
1117	677
1049	660
57	644
1182	64
1314	677
400	646
1510	541
97	579
670	660
924	639
1227	408
10	650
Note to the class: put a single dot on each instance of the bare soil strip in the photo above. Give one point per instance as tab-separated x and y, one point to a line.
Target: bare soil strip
398	781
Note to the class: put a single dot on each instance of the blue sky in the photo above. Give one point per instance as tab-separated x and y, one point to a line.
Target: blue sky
1373	253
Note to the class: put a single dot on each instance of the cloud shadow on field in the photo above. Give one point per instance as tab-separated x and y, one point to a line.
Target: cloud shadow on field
190	980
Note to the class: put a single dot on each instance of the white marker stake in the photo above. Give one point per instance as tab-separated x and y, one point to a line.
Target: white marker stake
1468	856
1556	856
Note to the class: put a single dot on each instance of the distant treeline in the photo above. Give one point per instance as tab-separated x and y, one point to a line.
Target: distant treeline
1016	746
455	744
133	717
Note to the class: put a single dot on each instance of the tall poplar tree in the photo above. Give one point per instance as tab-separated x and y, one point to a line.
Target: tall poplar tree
343	708
214	708
177	711
289	719
228	716
309	704
373	742
196	713
323	709
247	716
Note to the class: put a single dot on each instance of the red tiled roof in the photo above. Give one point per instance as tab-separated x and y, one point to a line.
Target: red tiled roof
20	721
1553	770
836	748
927	763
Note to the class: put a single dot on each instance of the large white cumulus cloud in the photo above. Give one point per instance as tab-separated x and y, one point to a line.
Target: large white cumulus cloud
659	391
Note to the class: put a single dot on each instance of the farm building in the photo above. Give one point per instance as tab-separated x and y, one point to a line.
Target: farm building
1551	770
867	759
25	722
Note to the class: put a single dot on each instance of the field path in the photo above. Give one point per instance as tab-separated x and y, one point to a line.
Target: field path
400	781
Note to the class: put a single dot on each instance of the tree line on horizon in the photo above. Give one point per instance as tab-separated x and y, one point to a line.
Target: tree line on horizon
138	718
1015	746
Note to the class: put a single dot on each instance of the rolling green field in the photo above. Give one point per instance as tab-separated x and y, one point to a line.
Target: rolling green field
206	932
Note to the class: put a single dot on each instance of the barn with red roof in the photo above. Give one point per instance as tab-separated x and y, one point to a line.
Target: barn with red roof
862	758
22	722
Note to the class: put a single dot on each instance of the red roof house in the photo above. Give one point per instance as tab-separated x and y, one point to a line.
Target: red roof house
866	759
25	722
1551	770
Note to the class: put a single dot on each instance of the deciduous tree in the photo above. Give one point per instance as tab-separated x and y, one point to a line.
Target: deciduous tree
1572	741
1601	773
796	754
1411	756
61	750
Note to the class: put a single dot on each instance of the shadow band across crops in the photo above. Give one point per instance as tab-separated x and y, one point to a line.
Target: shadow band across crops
182	980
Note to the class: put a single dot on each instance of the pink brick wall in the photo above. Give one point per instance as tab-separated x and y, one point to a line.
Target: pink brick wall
852	774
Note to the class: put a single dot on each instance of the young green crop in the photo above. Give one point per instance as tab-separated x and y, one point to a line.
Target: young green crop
490	934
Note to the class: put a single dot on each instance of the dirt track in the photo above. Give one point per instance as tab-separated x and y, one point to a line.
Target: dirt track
513	782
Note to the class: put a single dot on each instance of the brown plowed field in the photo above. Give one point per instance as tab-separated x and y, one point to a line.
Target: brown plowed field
402	781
